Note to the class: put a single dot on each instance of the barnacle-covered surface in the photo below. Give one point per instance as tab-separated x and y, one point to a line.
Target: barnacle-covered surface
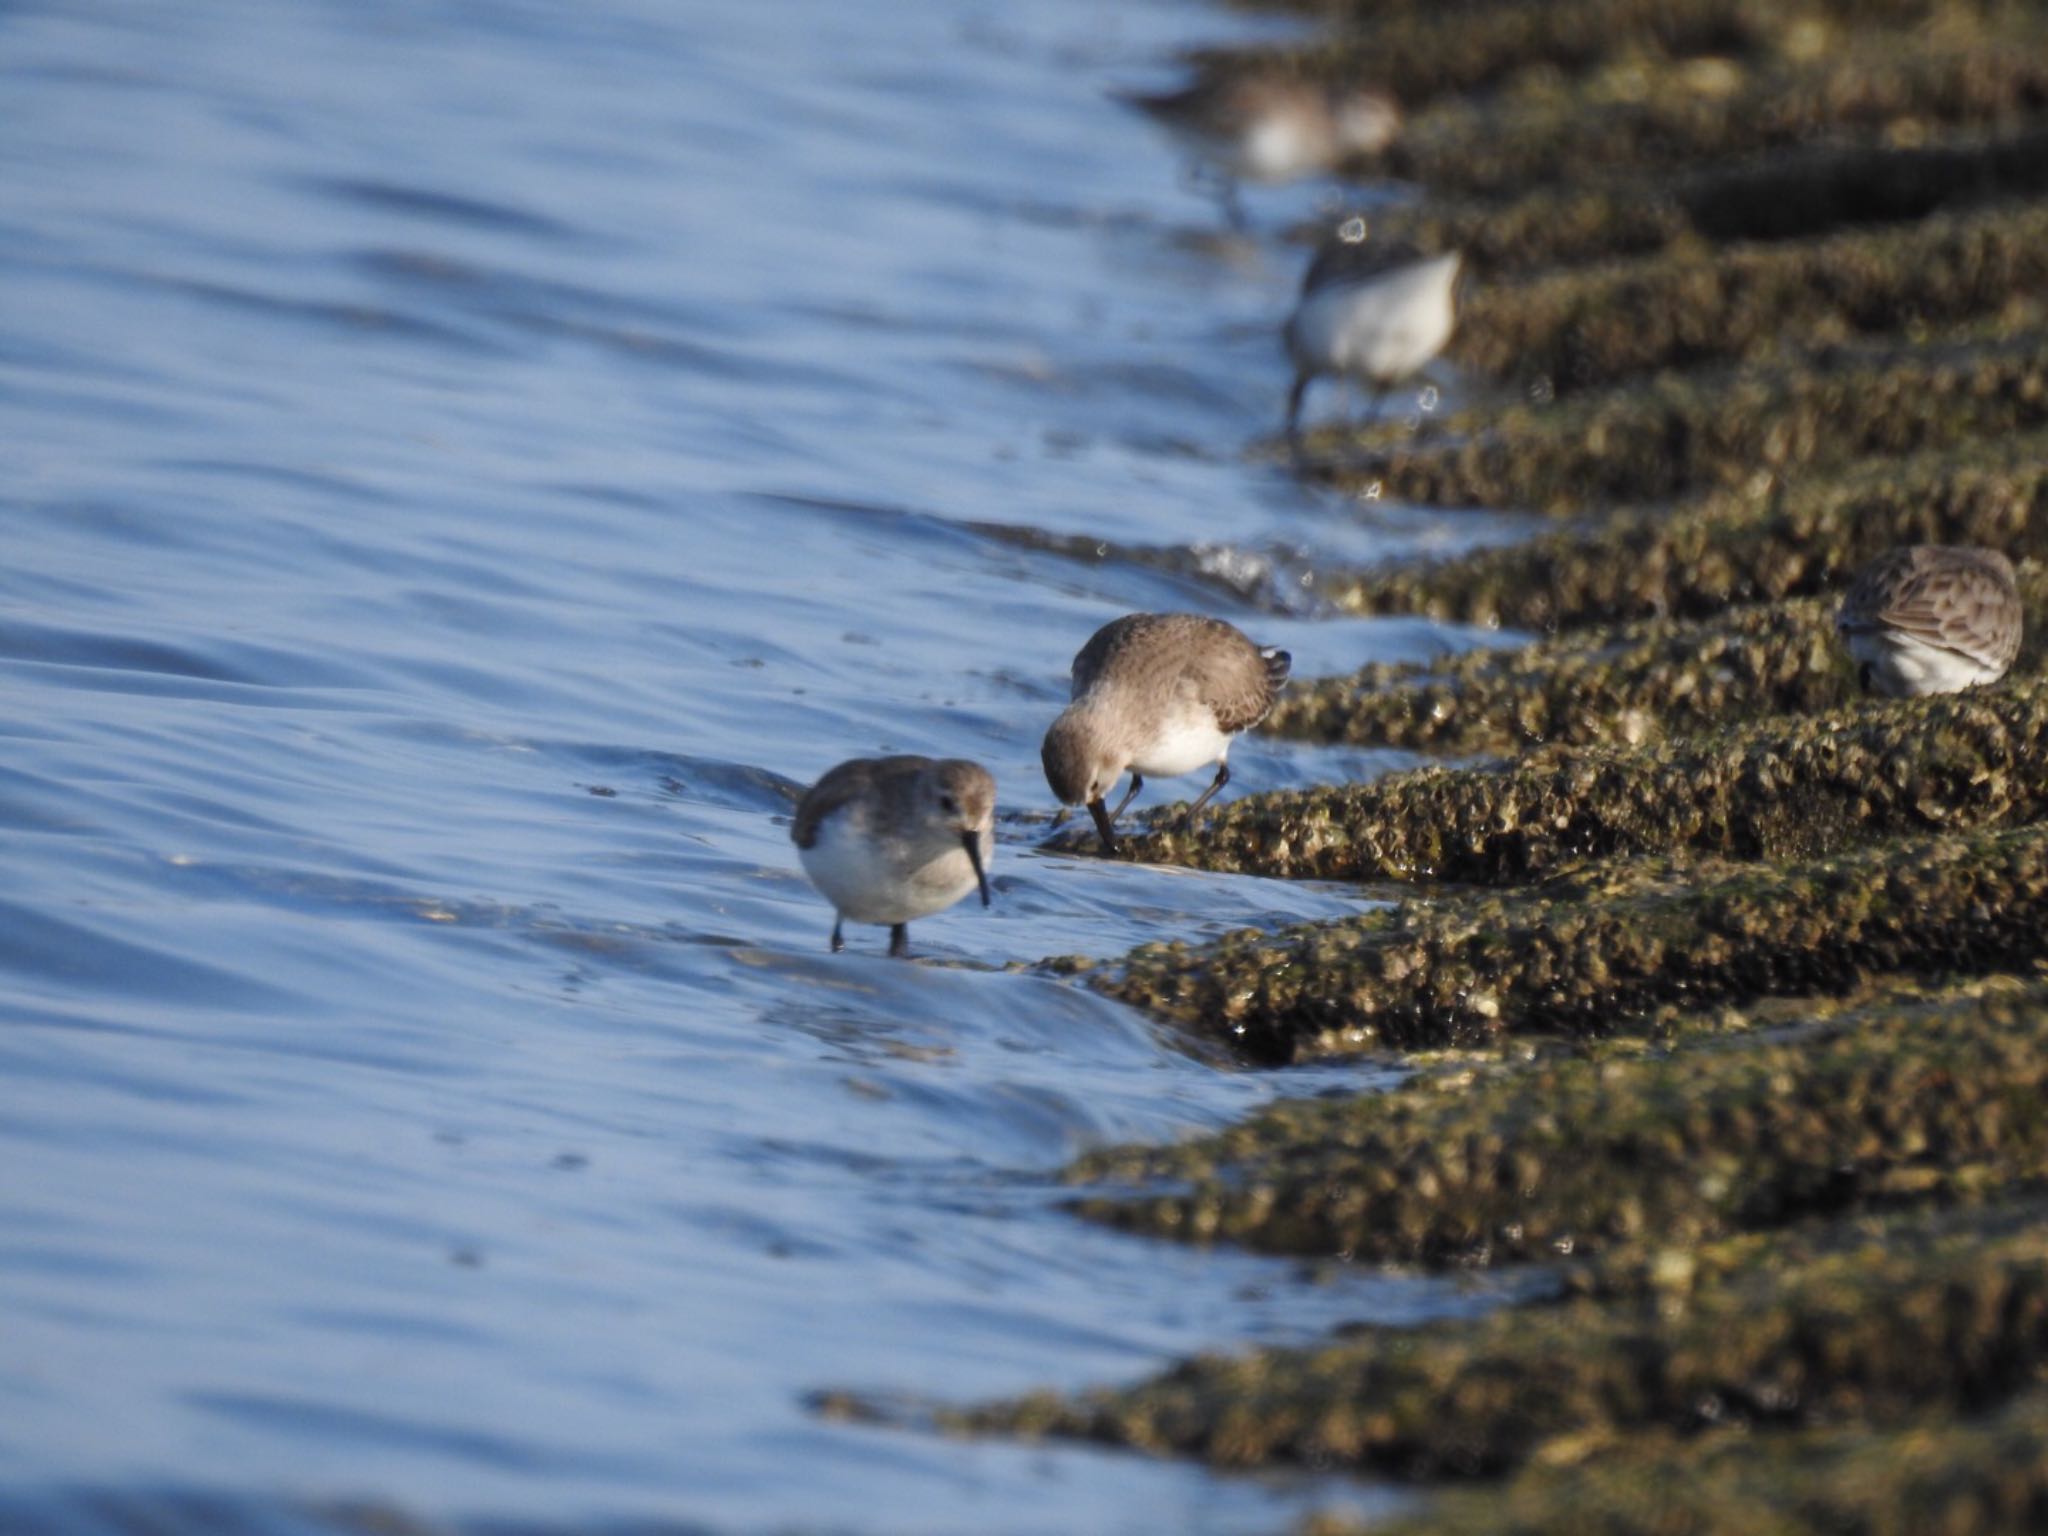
1726	987
1766	539
1650	679
1921	1093
1677	432
1586	327
1948	1315
1983	1476
1626	684
1779	786
1606	951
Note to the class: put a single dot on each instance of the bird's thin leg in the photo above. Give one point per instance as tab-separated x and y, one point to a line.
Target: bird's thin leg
1137	783
1222	778
838	934
899	941
1294	398
1104	828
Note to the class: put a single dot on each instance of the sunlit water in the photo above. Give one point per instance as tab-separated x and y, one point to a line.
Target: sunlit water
468	465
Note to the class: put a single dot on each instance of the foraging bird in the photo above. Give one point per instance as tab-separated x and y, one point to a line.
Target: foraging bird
1931	618
888	839
1157	693
1371	311
1271	128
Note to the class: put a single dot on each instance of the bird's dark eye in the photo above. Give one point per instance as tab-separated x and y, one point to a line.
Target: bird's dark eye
949	805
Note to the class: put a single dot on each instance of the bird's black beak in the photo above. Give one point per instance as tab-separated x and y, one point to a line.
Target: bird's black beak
971	841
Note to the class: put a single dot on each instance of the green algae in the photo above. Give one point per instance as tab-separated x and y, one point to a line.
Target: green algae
1900	1100
1765	540
1641	683
1779	787
1592	961
1984	1476
1954	1320
1678	432
1577	329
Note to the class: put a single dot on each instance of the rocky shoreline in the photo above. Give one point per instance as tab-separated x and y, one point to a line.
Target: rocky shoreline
1726	989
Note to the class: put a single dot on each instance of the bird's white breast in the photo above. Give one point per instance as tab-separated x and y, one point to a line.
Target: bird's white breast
1187	739
1383	328
888	879
1906	667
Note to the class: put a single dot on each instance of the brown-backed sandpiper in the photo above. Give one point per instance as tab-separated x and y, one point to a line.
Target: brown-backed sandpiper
1157	693
1931	618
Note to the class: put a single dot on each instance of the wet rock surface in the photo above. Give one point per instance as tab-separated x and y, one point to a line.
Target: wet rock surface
1726	988
1766	540
1926	1092
1604	952
1778	786
1676	433
1954	1317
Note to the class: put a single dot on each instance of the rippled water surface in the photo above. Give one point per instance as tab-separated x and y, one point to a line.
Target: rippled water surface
468	465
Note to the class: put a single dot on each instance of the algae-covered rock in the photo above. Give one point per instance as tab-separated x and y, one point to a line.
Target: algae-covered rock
1955	1321
1796	194
1547	226
1444	973
1767	539
1900	1100
1682	432
1956	1476
1671	114
1592	326
1419	53
1784	786
1642	683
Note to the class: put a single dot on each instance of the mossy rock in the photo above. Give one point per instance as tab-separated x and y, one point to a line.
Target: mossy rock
1899	1101
1779	787
1983	1475
1675	433
1643	683
1650	114
1421	53
1770	538
1956	1321
1604	955
1579	329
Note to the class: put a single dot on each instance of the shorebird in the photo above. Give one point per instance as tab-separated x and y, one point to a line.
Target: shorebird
1931	618
1157	693
888	839
1270	128
1375	311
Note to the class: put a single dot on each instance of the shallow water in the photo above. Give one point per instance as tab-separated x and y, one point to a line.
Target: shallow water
470	465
